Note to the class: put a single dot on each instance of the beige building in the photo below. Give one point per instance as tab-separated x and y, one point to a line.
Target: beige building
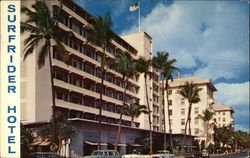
77	88
223	116
77	85
143	43
179	106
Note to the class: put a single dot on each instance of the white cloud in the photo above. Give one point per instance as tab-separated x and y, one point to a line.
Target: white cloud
242	128
237	96
212	33
232	93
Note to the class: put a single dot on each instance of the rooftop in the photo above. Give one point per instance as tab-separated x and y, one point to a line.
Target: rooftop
195	80
221	107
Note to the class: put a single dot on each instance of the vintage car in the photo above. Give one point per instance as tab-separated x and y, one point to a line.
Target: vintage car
159	154
205	154
163	154
104	153
44	155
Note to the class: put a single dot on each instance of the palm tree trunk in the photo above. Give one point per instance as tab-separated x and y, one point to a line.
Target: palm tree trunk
163	104
149	118
52	89
100	104
185	134
190	137
132	121
120	122
169	123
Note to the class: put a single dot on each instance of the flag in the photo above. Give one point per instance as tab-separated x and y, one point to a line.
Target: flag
134	7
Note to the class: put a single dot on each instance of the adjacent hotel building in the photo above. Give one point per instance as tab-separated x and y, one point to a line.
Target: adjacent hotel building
77	88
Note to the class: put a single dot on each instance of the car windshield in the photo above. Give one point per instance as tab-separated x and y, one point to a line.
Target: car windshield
45	155
97	153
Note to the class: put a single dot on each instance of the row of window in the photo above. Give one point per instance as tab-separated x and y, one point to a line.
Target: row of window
87	101
90	116
84	66
78	28
90	85
196	111
170	102
219	119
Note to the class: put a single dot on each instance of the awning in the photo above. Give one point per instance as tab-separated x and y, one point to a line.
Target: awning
122	144
41	143
92	143
136	145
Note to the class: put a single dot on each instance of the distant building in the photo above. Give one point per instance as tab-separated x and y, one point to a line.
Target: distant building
223	116
179	106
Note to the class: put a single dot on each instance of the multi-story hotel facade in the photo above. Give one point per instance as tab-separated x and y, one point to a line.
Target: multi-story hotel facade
77	85
179	106
77	88
223	116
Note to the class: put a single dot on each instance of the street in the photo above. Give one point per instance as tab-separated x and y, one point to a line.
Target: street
239	155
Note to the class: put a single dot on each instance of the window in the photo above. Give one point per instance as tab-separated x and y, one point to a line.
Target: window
89	69
109	78
76	63
98	58
63	20
196	131
111	50
171	121
219	118
182	121
182	111
182	101
170	102
89	53
99	73
224	119
76	81
183	131
76	46
223	113
169	92
119	96
196	121
196	110
170	112
75	28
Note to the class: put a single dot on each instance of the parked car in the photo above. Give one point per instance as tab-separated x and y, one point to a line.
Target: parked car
44	155
163	154
104	153
193	155
205	154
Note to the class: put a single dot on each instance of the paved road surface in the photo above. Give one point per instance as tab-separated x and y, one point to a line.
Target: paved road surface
240	155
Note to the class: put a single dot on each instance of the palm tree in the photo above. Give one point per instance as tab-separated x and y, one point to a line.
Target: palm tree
206	117
127	67
43	28
165	66
58	129
143	66
167	73
100	35
134	110
191	93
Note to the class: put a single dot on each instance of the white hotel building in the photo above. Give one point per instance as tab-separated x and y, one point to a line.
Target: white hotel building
77	88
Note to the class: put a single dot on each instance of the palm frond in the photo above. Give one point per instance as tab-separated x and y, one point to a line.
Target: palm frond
43	54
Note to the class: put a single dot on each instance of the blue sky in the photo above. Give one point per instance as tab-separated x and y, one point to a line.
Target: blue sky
209	39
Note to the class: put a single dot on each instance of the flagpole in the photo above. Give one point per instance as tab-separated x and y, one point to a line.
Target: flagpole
139	10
